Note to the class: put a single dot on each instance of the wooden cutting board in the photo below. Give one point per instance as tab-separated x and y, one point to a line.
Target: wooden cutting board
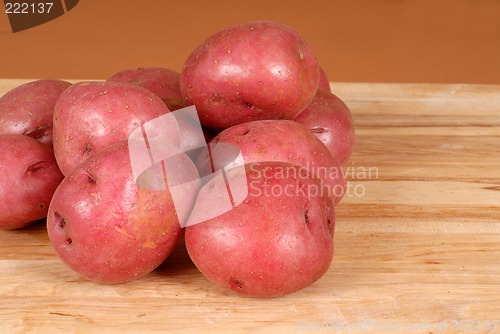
417	240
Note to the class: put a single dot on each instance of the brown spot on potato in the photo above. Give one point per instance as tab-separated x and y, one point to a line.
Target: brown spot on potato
318	129
149	244
36	167
121	230
90	178
38	132
301	55
217	100
244	132
330	218
87	150
235	283
61	222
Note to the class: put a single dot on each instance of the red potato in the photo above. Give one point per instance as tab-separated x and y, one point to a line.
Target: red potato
324	82
163	82
29	176
253	71
276	140
329	119
28	109
106	227
278	241
92	115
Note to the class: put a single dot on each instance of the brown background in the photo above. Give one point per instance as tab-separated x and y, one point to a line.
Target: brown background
355	40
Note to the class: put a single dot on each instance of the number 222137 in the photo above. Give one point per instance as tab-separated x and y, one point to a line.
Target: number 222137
28	8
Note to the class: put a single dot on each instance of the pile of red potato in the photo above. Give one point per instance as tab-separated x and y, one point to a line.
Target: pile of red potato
257	87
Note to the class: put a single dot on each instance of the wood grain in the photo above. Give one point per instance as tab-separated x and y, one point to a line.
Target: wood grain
417	239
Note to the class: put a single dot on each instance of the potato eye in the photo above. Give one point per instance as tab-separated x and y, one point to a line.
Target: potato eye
36	167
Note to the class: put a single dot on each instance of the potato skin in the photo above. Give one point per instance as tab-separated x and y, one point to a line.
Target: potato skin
92	115
329	119
277	140
105	227
278	241
28	109
324	82
163	82
252	71
29	176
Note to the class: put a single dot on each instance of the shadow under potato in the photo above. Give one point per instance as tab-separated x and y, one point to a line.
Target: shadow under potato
178	262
